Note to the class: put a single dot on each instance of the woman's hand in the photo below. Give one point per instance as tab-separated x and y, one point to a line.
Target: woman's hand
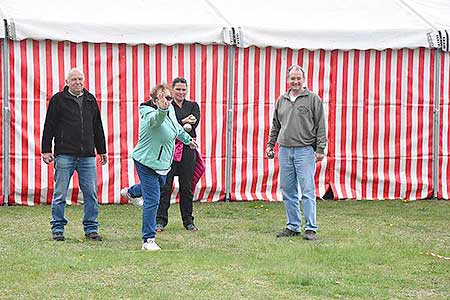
163	101
193	144
191	119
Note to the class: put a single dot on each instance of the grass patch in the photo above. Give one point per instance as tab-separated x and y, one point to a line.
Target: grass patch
366	250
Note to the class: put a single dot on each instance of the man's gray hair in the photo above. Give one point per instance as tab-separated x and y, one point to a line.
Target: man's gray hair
298	68
73	70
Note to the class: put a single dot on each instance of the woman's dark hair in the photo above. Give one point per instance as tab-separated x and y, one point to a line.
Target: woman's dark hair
178	80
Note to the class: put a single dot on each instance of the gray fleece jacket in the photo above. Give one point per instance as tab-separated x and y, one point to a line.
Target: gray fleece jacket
299	123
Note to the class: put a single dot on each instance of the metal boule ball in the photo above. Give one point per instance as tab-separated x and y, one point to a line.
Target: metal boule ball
187	127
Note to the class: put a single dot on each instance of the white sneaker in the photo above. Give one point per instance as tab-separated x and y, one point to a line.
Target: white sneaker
150	245
138	201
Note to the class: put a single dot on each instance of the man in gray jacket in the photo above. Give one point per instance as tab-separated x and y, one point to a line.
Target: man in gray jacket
298	126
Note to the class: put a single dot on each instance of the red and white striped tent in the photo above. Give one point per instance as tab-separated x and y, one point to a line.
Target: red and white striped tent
379	66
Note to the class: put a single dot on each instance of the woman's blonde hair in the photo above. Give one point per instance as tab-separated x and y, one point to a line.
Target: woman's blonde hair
158	89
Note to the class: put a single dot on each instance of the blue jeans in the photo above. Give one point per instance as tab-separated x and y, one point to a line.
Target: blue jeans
135	191
65	165
297	165
151	183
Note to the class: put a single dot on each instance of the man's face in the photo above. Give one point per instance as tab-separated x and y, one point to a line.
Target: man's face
179	91
296	80
75	82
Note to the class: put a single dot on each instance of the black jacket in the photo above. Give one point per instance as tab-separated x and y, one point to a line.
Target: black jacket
77	130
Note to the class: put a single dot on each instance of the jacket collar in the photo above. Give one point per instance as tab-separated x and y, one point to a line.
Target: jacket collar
304	93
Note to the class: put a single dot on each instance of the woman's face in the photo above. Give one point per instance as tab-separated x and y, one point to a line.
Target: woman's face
179	91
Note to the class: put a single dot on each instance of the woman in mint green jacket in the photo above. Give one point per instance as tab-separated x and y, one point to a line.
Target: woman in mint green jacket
153	154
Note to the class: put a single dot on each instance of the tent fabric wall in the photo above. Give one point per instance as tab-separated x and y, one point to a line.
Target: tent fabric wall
379	106
120	76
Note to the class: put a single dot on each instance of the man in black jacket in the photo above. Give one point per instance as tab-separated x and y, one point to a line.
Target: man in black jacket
73	122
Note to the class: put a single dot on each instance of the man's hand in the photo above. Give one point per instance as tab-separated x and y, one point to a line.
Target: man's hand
103	159
320	156
269	153
48	157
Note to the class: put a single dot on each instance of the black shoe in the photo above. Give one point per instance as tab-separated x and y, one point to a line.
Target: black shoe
287	233
58	236
310	235
191	227
93	236
159	227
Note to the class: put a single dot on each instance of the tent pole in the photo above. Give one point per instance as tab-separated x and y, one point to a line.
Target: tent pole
231	51
5	115
436	123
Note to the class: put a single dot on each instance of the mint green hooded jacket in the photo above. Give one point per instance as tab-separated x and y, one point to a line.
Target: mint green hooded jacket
158	130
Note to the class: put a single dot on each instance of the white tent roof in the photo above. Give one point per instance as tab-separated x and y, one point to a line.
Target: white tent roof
320	24
344	24
130	21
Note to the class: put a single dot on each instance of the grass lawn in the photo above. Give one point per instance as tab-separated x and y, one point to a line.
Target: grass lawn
366	250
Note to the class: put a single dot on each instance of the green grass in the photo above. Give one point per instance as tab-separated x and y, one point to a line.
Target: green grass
366	250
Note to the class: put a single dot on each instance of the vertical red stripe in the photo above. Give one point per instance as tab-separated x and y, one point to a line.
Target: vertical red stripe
420	136
267	121
215	137
169	58
12	138
388	122
256	128
180	60
225	118
86	65
49	93
147	87
343	120
409	116
123	133
61	74
192	72
158	63
320	92
331	160
24	156
245	126
98	95
310	69
135	100
365	127
73	55
398	122
203	100
354	138
376	125
37	129
110	122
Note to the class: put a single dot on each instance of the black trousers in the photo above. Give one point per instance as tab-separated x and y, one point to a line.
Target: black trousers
184	169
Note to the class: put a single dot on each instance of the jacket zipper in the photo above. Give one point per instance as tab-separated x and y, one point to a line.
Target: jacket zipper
160	152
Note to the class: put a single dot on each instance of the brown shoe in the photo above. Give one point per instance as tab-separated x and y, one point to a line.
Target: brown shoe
287	233
93	236
310	235
58	236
